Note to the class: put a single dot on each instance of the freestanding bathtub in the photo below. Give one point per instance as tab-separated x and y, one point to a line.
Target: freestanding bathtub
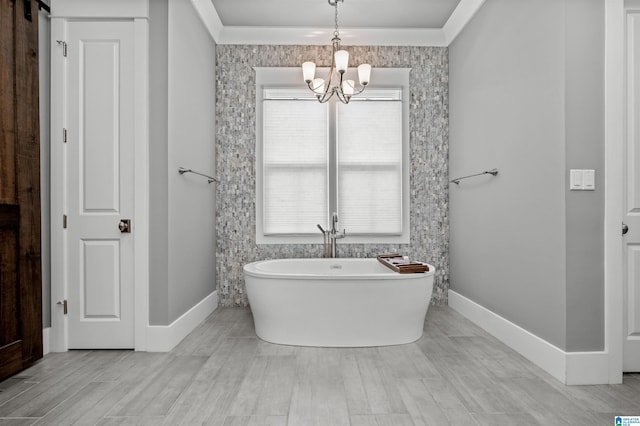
336	302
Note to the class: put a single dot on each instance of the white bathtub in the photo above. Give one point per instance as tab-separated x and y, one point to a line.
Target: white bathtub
336	302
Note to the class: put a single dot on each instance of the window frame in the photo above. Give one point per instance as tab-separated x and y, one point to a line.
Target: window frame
291	78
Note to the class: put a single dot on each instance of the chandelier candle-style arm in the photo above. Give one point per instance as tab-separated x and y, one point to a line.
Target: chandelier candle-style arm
343	88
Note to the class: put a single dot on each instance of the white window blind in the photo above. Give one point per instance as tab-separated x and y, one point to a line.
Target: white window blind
295	166
369	146
314	159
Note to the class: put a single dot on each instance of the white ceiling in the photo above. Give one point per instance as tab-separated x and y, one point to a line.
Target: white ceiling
351	13
362	22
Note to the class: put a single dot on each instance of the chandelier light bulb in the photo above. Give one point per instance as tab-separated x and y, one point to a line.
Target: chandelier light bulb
317	86
342	61
348	87
308	71
364	74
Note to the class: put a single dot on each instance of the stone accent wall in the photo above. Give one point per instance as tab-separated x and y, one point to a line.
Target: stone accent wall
235	159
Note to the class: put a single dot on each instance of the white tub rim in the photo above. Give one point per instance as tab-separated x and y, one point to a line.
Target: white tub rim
384	272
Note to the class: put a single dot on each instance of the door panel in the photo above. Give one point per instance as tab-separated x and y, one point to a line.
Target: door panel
99	122
9	288
633	295
7	115
631	318
100	184
100	282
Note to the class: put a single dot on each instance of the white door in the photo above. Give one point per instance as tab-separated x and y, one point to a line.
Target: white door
100	179
631	240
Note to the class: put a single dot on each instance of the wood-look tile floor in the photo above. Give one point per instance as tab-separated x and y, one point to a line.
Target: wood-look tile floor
222	374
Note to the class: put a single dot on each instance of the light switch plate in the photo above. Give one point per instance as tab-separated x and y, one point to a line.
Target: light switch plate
589	180
582	180
576	178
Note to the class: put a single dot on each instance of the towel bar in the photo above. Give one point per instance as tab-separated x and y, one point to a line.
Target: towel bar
492	172
182	170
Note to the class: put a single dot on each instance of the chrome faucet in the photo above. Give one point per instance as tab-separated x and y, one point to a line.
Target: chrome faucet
334	234
331	236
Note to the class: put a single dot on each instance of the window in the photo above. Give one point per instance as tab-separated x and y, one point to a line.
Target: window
313	159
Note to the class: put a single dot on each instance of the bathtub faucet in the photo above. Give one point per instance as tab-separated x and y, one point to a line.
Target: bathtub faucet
330	237
334	234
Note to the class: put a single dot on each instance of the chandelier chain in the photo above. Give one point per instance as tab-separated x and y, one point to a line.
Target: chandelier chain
336	33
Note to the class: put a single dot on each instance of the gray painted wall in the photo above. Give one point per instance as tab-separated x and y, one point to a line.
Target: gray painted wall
526	96
191	134
584	115
182	208
158	163
235	153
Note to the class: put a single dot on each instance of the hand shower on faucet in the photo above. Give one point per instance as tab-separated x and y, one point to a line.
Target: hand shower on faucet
327	241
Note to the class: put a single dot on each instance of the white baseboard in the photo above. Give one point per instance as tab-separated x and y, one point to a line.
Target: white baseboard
163	338
571	368
46	340
588	368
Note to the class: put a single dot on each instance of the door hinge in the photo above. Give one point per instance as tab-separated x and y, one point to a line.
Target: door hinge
64	135
65	310
64	47
64	221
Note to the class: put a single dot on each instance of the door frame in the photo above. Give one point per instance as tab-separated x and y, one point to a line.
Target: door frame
615	87
59	323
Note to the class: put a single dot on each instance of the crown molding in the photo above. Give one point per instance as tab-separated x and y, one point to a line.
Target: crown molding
437	37
209	17
322	36
460	18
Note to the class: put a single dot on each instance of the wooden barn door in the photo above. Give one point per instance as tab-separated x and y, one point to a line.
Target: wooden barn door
20	263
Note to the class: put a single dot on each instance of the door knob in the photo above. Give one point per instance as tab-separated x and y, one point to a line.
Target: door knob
125	226
625	228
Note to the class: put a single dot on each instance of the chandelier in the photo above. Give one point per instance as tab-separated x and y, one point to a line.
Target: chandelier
336	82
